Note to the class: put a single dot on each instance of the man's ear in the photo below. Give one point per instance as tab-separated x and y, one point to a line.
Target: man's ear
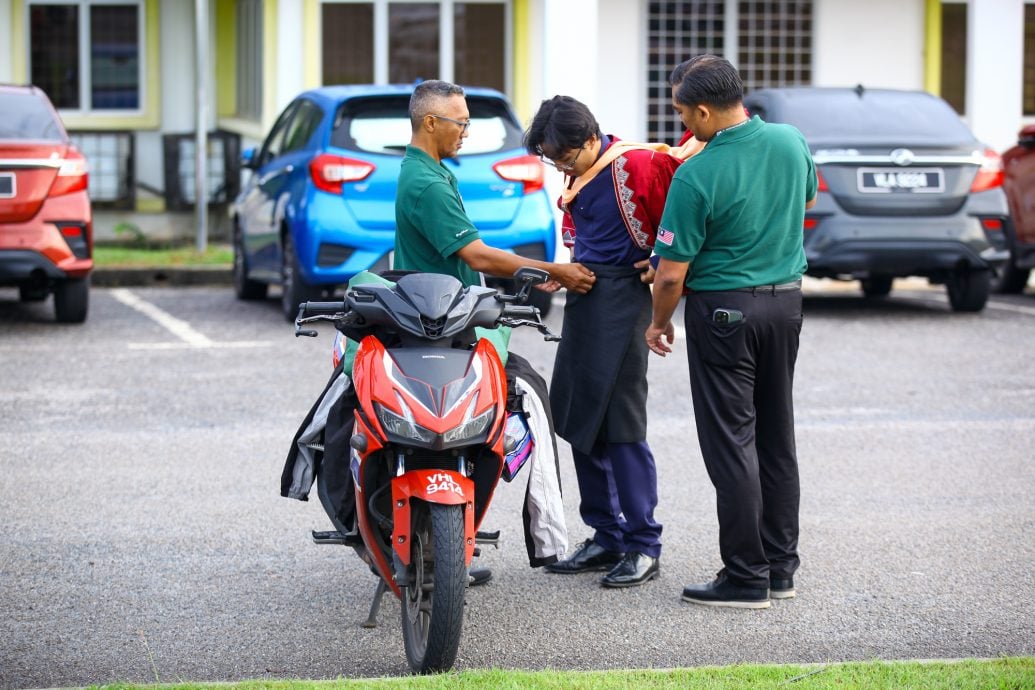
703	112
428	124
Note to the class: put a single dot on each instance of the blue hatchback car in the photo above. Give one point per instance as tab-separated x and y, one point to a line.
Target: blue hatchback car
319	206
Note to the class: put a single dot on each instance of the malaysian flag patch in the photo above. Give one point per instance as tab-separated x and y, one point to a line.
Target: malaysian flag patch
665	237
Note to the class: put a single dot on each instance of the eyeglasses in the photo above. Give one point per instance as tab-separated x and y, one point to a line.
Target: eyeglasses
464	126
563	167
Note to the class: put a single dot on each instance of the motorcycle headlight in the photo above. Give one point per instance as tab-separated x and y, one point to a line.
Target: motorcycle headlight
403	427
472	427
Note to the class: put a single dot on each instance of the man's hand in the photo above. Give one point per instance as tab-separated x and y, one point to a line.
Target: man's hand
575	277
548	286
656	337
647	274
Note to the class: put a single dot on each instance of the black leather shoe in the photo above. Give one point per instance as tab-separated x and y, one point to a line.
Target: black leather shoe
478	576
589	556
633	570
723	592
781	588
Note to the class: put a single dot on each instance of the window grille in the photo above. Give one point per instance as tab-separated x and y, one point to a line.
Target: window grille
773	47
111	161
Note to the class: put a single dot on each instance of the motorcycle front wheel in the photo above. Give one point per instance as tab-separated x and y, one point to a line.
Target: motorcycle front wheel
433	604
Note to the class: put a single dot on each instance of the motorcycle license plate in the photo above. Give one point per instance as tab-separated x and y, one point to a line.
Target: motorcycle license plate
908	181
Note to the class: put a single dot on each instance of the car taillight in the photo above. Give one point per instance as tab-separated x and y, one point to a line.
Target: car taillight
330	172
528	170
990	175
72	175
821	182
811	223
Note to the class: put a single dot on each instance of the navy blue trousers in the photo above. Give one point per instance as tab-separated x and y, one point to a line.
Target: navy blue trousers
618	483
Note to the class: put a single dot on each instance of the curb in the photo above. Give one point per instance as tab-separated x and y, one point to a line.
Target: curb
147	276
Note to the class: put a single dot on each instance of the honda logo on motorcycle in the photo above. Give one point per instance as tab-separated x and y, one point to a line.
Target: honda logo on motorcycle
443	482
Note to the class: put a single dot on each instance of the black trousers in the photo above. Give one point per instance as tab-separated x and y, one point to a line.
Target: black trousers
741	378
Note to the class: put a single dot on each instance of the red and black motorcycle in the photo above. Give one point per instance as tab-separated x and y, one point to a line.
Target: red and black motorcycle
430	441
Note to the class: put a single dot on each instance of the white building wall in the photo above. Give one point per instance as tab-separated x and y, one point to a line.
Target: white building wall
594	51
6	69
289	80
621	63
175	89
995	49
876	43
571	37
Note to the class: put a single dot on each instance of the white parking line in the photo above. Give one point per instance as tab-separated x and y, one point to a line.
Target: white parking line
180	329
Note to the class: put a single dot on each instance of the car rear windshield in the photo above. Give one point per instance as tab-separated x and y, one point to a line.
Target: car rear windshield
382	125
842	116
25	116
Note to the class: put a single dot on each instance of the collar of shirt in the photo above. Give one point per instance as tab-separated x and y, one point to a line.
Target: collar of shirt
737	131
425	159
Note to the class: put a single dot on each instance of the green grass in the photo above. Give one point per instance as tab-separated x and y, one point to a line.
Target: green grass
1008	673
122	257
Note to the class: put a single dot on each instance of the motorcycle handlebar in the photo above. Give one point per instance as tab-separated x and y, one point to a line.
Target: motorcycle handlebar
513	310
322	308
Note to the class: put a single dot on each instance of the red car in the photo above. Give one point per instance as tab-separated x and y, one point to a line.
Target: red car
1019	183
46	224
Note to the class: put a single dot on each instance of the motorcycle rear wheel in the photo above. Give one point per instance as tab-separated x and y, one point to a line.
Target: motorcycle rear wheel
433	605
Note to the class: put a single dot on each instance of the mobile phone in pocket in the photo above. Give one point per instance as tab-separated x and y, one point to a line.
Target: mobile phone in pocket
727	316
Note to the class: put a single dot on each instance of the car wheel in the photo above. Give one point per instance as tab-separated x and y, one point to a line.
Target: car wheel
294	290
877	285
71	300
245	288
1011	280
32	294
968	289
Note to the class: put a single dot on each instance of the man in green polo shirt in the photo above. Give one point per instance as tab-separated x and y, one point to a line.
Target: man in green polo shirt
433	233
732	234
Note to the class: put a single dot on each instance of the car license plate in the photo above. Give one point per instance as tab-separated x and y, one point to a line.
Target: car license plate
901	180
7	188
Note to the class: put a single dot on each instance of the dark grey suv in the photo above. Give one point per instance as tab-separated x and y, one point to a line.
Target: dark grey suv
905	189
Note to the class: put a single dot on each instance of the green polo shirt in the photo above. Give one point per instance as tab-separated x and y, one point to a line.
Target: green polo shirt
430	222
431	226
735	210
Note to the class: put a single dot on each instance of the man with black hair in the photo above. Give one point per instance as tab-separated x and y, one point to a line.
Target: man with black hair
613	198
732	234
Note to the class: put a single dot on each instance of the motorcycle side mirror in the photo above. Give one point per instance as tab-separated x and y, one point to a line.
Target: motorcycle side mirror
526	277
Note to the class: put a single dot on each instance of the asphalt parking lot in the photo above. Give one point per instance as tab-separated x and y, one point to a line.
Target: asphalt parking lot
142	536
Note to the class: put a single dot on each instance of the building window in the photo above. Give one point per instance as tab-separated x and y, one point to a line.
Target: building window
478	38
954	55
106	76
400	41
413	41
249	59
348	43
770	42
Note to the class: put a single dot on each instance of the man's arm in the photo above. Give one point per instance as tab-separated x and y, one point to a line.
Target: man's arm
496	262
810	203
668	288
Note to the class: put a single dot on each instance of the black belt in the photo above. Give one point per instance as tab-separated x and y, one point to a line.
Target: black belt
781	287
